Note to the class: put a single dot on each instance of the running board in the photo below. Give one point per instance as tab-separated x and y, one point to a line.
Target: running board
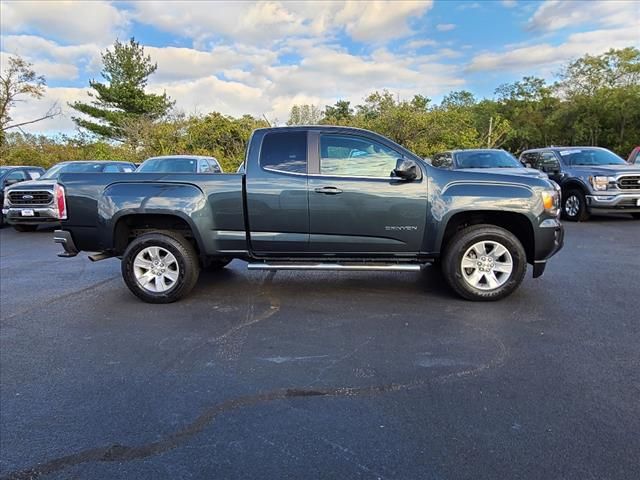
335	266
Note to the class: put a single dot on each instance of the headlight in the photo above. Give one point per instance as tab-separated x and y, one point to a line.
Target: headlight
551	201
600	183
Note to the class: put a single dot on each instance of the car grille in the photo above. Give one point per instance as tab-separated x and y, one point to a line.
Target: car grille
631	182
35	197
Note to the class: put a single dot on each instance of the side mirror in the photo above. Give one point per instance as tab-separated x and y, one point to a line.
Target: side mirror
406	169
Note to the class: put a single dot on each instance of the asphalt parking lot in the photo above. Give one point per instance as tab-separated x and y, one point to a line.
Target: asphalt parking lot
322	375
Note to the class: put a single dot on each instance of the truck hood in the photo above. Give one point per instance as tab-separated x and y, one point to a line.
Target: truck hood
606	170
527	172
32	185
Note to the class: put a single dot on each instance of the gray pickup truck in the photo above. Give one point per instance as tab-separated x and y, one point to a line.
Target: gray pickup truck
318	198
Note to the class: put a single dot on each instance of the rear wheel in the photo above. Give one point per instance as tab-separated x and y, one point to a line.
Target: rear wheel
160	267
574	206
484	262
25	228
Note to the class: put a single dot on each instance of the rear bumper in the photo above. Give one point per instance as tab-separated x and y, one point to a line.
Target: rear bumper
549	241
65	239
623	202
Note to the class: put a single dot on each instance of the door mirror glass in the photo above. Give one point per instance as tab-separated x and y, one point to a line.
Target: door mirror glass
406	169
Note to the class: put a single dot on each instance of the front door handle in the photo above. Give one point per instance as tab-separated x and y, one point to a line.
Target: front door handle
328	190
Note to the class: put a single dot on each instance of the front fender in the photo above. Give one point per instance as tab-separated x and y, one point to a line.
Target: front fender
468	196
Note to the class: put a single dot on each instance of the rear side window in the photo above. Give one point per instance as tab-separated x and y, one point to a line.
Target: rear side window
284	152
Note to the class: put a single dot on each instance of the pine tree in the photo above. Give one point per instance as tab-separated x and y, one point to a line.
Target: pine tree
122	100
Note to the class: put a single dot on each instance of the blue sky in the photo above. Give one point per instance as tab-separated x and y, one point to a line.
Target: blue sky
263	57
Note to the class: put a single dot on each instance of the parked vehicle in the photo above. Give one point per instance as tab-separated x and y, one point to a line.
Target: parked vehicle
32	203
10	175
634	156
592	179
318	198
180	164
489	160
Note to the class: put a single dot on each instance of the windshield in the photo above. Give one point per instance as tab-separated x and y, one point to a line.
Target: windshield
55	171
591	156
169	165
486	159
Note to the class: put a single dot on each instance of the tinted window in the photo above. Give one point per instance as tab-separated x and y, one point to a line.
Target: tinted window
531	159
284	152
486	159
548	162
349	156
169	165
111	169
591	156
442	160
16	175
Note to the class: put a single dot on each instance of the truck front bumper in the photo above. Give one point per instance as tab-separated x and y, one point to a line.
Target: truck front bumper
65	239
622	202
31	215
549	240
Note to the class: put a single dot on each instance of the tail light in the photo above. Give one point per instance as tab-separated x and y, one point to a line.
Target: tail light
61	202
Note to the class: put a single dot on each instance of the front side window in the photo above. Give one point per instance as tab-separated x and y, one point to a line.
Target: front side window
204	166
443	160
348	156
169	165
214	166
284	152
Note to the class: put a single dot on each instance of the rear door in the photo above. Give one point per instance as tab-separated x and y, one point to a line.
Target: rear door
277	198
355	205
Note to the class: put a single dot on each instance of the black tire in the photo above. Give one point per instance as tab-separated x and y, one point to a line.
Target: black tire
185	255
25	228
636	216
214	264
463	241
581	214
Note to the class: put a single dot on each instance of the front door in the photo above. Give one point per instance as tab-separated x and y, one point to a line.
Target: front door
355	205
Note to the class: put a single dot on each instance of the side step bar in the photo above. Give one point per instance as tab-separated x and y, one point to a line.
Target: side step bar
335	266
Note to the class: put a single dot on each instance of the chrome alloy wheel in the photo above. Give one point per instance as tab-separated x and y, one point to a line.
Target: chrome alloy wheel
572	206
156	269
486	265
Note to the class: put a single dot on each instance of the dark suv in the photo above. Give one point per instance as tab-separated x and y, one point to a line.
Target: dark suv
593	180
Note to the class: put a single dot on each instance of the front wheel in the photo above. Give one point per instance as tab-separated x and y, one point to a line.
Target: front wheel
484	263
160	267
25	228
574	206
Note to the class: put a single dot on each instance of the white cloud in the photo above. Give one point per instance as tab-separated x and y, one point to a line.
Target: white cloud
445	27
509	3
418	44
65	20
558	14
546	55
268	22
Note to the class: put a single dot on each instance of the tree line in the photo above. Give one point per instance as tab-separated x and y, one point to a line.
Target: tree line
595	100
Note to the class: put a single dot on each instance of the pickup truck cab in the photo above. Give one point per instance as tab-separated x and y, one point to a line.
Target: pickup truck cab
592	179
31	203
319	198
490	160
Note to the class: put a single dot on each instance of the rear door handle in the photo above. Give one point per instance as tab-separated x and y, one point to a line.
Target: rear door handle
328	190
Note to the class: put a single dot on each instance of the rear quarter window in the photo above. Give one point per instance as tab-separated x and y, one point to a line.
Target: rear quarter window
284	152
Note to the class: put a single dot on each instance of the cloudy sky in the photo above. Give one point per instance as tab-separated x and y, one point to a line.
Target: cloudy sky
261	58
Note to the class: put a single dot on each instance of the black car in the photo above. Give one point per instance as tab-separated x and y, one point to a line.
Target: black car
32	203
10	175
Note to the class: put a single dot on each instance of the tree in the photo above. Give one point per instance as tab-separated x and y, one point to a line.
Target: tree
122	100
16	81
305	115
339	114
